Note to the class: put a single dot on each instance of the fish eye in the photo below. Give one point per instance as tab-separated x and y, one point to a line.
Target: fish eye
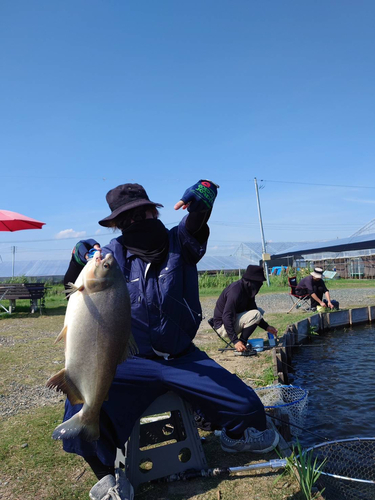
106	266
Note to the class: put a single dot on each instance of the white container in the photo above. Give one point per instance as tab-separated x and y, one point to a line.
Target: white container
271	339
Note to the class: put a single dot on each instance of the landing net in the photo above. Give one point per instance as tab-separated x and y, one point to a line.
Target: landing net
288	403
349	469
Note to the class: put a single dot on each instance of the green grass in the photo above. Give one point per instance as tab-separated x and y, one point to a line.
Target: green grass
213	285
34	464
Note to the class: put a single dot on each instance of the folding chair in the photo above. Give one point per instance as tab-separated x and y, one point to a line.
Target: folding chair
302	301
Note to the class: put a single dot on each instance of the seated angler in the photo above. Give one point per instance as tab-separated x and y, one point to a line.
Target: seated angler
160	267
314	286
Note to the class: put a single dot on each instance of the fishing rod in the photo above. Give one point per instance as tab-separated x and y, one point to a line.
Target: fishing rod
248	352
221	471
275	463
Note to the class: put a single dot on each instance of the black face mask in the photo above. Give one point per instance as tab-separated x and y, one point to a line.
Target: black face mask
148	239
252	287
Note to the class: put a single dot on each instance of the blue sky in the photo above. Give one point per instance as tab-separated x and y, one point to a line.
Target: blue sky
96	93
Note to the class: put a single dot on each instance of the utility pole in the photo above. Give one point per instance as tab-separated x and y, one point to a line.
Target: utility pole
13	259
261	232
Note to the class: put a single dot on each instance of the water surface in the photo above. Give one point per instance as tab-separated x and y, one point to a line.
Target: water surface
338	370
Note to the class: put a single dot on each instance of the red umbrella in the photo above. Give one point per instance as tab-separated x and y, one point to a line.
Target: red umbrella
12	221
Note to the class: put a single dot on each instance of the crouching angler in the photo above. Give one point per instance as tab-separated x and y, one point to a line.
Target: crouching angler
236	314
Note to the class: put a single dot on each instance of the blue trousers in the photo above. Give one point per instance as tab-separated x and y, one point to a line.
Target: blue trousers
221	396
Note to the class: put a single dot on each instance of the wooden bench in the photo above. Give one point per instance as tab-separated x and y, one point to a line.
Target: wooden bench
35	292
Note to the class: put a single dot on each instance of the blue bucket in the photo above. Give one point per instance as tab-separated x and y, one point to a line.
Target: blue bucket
256	344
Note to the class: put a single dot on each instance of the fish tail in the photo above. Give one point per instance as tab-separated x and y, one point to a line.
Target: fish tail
74	426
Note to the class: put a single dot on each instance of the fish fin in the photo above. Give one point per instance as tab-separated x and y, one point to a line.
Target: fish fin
72	288
74	426
62	383
131	349
62	334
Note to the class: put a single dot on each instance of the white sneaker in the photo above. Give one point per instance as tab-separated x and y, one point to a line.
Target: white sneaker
253	441
109	488
100	489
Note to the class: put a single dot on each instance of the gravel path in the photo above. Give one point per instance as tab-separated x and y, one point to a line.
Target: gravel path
281	302
22	398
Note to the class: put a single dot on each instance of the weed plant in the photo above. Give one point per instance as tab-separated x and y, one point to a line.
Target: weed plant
218	280
307	471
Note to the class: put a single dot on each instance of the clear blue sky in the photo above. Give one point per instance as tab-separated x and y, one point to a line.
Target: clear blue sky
96	93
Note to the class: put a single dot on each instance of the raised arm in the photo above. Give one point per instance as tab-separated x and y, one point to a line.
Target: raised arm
198	200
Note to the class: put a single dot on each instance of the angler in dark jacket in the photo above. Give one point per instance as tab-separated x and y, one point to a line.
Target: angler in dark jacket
80	256
236	314
160	268
314	286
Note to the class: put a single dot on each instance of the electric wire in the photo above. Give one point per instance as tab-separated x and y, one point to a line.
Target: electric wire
317	184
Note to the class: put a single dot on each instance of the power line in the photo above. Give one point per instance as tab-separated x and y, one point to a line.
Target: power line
316	184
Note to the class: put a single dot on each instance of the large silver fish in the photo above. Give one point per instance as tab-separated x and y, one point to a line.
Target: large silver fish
98	338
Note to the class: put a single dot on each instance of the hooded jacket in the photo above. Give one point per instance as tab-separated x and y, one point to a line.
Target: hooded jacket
236	298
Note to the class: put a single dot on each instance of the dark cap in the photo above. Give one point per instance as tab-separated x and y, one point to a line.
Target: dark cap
254	273
125	197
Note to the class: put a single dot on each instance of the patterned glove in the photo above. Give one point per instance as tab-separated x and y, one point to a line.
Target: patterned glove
201	196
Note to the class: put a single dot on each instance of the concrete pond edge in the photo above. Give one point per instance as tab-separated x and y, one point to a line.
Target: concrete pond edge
298	333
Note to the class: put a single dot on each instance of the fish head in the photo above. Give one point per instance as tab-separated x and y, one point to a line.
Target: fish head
100	273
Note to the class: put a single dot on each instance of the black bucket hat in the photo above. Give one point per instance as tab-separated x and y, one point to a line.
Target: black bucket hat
123	198
254	273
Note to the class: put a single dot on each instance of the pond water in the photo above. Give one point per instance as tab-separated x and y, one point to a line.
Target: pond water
338	370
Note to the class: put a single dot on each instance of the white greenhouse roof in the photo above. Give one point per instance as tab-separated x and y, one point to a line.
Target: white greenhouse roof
54	268
219	263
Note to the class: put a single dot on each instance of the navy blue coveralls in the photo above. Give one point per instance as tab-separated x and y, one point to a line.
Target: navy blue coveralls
166	314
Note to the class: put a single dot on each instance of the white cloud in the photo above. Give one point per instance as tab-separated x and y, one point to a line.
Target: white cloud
98	231
70	233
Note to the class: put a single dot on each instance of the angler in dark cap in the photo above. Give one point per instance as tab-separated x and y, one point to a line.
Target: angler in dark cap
236	314
159	266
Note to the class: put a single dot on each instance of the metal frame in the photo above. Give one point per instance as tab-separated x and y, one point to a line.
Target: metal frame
1	305
298	300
